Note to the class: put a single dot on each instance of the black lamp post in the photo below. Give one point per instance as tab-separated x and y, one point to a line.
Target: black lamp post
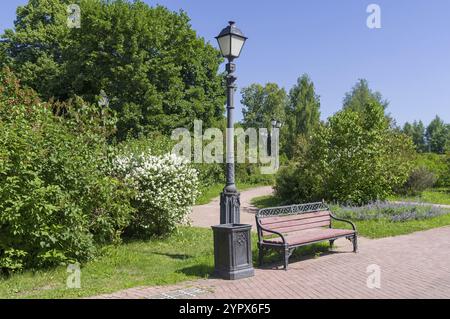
231	40
232	240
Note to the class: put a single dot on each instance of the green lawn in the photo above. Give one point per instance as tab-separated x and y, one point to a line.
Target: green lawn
265	201
184	256
374	228
433	195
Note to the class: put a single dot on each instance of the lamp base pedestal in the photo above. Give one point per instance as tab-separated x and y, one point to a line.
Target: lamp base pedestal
230	204
232	251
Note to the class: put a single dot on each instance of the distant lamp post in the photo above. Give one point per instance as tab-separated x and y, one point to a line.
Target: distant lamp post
275	124
232	240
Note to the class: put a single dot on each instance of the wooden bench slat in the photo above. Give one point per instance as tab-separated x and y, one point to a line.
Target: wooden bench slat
312	235
277	219
298	222
289	229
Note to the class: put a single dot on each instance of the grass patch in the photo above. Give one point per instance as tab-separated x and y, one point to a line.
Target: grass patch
183	256
433	195
186	255
214	191
266	201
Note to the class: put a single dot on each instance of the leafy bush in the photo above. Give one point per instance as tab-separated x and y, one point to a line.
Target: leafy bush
56	200
154	144
419	180
166	188
445	177
438	165
389	211
296	183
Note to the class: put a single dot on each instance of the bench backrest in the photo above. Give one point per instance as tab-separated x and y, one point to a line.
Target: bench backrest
294	218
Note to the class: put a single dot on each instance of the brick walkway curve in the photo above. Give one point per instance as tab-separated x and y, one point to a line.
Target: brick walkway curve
208	215
411	266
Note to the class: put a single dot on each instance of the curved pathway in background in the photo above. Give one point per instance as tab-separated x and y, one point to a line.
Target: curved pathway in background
209	214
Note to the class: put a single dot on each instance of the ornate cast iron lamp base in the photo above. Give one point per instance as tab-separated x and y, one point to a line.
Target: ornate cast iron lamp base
232	251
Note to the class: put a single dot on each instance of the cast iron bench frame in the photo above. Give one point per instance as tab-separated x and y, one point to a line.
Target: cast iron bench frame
285	211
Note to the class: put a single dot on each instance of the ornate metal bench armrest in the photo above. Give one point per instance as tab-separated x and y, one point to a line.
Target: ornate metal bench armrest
343	220
260	227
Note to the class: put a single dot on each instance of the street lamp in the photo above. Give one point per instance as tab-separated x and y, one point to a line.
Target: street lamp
275	124
232	240
231	40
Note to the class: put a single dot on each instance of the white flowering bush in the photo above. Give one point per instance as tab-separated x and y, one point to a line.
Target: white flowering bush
166	188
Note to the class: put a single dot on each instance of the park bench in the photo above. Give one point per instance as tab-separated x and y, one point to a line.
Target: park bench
288	227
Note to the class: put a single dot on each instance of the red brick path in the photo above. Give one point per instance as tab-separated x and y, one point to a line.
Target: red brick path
412	266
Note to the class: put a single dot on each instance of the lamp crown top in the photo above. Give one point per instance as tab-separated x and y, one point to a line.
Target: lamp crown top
231	29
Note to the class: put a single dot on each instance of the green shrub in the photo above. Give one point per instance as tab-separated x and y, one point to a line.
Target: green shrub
419	180
354	158
297	184
56	200
445	177
154	144
438	164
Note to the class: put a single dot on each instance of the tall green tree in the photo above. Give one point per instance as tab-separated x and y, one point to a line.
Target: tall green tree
361	95
303	112
304	105
437	135
262	103
156	71
416	131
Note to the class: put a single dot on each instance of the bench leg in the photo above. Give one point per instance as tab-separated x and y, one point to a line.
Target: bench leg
261	255
355	244
287	253
286	258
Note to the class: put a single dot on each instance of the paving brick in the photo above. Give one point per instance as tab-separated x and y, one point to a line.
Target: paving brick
412	266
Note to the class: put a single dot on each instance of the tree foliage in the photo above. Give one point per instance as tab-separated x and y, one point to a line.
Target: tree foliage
416	131
302	112
354	158
304	105
263	103
437	135
361	95
157	72
435	138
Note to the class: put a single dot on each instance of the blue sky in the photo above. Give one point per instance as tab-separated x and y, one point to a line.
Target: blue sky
407	60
